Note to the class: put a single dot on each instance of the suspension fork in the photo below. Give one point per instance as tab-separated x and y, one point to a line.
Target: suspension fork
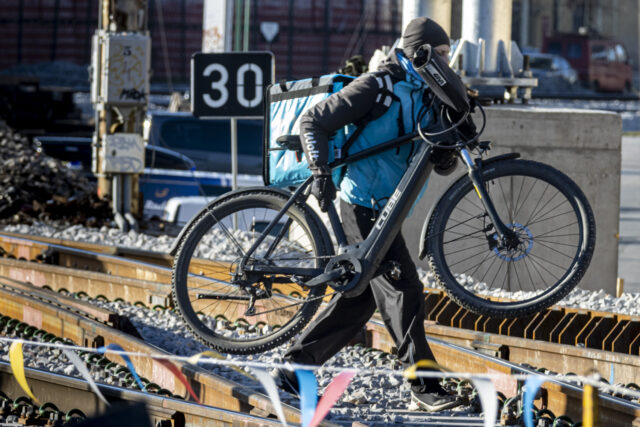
476	179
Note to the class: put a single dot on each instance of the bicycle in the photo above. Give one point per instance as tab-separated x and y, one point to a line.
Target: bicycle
508	224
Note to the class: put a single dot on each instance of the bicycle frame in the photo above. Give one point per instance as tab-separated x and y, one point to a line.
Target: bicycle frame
370	252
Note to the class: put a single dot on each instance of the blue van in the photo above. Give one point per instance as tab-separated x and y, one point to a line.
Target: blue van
167	174
207	141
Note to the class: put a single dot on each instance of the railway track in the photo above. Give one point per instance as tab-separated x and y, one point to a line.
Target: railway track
587	329
486	349
88	326
80	401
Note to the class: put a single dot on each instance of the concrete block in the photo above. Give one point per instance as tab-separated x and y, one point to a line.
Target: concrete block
585	145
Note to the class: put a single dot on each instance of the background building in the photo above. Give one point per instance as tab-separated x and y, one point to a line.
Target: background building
315	36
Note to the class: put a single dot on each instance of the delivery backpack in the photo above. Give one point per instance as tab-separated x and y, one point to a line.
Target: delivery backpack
284	163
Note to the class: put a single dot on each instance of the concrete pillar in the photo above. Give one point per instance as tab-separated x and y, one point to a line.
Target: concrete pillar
489	20
438	10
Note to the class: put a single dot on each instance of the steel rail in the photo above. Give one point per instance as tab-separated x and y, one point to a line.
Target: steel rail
69	393
66	321
559	397
610	332
522	346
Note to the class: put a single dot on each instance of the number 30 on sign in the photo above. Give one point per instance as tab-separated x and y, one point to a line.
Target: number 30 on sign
230	84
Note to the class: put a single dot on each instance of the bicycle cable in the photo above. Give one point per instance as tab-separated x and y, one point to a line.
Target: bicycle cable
425	135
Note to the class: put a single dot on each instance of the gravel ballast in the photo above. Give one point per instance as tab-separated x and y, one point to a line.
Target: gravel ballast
628	303
373	400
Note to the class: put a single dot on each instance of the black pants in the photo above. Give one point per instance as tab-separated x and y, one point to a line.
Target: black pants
401	304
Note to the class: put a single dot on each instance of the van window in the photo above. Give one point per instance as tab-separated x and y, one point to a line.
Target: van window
212	135
574	50
540	63
161	160
598	52
621	54
555	48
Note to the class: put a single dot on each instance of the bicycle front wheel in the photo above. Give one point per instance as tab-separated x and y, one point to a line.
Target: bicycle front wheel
214	300
555	230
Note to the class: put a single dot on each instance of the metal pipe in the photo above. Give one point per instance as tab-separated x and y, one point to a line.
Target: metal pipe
116	200
327	36
438	10
54	37
234	162
127	189
290	41
489	20
247	16
238	23
20	24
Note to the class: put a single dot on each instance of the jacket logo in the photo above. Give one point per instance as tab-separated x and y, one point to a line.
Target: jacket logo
387	208
310	142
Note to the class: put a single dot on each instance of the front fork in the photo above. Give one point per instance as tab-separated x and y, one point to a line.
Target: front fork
501	229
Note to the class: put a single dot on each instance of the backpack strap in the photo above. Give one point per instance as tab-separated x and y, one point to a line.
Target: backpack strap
283	85
382	103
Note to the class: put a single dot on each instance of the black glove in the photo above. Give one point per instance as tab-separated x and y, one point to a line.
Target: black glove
467	128
324	190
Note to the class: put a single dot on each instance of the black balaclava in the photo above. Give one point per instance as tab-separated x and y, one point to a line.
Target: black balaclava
420	31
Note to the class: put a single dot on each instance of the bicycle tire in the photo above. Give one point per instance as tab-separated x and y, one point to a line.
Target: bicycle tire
474	294
213	218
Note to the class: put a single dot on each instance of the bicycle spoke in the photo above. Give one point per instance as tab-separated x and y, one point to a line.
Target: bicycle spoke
542	217
556	243
557	229
504	197
465	249
538	207
549	218
538	257
228	233
555	250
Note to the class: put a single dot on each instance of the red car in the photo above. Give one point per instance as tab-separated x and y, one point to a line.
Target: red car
602	64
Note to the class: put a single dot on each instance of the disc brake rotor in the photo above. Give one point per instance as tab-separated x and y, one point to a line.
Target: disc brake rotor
523	248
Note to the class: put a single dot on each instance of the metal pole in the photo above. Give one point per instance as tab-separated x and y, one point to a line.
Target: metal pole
127	118
234	162
438	10
116	200
290	41
590	406
237	29
234	153
489	20
127	189
247	15
524	23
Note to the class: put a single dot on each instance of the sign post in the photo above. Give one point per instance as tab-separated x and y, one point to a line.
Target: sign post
231	85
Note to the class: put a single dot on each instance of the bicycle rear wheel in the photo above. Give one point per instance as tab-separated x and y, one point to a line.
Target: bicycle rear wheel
556	238
213	299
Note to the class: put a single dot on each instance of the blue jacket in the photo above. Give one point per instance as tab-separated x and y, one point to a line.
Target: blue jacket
371	181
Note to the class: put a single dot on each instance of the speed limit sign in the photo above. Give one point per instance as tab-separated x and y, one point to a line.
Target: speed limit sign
230	84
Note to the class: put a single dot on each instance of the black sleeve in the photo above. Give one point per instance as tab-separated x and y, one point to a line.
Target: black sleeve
326	117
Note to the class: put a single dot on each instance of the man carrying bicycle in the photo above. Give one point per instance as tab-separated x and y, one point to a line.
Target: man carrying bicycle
365	188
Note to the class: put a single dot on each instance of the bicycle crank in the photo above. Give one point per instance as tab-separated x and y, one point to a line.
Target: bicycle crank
351	270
